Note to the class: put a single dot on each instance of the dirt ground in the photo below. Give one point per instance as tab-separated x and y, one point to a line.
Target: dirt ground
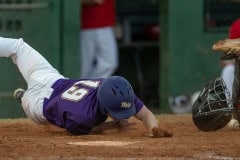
23	139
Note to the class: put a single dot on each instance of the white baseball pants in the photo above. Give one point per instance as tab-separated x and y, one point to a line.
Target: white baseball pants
37	72
99	53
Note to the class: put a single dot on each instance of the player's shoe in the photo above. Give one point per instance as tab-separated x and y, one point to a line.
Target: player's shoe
18	94
228	46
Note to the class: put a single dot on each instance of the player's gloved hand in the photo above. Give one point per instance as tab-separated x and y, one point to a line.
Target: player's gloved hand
230	47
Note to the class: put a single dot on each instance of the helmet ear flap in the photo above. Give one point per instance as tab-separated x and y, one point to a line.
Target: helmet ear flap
212	109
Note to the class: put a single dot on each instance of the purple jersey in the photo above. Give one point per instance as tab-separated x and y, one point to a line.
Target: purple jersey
73	105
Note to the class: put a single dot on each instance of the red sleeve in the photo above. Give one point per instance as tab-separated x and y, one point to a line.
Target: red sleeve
95	16
234	31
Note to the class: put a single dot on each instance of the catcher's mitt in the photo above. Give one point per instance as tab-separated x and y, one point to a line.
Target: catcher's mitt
230	47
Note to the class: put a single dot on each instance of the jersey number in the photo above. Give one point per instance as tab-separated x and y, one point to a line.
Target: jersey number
75	93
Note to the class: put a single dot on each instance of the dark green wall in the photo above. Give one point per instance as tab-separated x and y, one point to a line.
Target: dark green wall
53	30
70	40
186	59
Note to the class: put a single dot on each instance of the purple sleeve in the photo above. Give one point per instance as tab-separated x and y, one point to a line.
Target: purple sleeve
138	104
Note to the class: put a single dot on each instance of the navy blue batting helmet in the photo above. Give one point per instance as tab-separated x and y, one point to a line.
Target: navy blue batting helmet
116	97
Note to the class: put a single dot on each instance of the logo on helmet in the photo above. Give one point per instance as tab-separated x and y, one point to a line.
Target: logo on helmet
126	104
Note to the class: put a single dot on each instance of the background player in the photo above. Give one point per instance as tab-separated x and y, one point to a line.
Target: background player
228	63
98	46
79	106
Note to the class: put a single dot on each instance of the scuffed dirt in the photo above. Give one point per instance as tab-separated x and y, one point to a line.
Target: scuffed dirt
23	139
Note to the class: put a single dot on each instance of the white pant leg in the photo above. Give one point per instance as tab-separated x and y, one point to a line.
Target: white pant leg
98	45
228	76
8	46
106	54
37	72
87	50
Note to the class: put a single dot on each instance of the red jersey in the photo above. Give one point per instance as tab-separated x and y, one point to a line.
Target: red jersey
95	16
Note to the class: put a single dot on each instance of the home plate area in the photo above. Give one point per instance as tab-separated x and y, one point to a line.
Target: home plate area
23	139
102	143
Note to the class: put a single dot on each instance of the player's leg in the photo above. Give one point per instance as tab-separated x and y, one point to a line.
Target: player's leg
107	53
40	76
236	90
8	47
37	72
88	51
29	62
33	66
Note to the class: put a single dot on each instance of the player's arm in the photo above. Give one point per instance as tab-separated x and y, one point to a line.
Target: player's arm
148	119
104	127
110	125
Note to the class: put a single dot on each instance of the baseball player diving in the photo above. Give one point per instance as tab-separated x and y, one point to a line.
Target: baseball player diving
216	106
81	106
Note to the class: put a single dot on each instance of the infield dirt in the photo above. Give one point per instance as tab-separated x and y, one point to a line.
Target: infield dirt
23	139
